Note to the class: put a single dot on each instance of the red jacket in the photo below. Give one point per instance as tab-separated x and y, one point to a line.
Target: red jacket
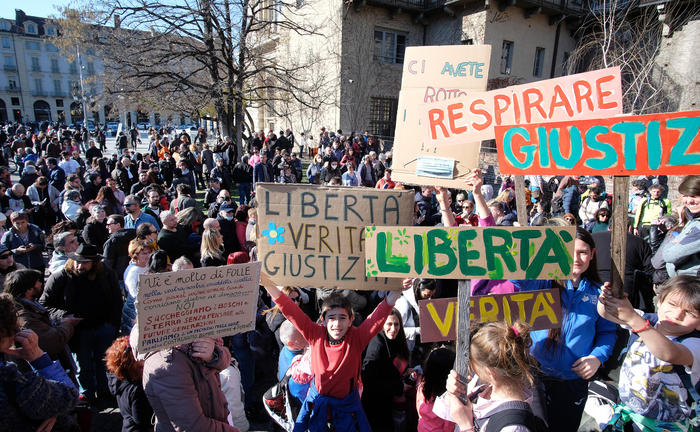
336	368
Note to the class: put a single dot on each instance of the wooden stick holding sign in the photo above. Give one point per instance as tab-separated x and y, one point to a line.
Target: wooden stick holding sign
618	240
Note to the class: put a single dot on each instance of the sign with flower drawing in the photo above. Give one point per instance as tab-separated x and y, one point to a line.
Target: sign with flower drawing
313	236
470	252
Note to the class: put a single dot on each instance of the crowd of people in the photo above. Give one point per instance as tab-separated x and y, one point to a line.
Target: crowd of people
80	225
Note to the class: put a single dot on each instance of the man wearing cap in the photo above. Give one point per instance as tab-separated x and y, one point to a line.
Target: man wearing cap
64	244
228	228
87	289
25	240
7	263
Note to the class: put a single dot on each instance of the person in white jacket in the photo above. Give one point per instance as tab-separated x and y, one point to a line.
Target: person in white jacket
231	386
407	305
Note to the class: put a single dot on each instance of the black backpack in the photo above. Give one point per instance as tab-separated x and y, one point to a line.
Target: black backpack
516	413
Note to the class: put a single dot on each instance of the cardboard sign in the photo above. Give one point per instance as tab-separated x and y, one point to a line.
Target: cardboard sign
178	307
313	236
666	143
540	309
470	252
474	117
432	74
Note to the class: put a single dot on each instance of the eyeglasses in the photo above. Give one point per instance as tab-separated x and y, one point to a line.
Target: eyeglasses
129	204
111	223
5	256
153	232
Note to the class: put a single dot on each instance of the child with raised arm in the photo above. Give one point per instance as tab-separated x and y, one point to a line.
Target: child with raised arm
663	357
336	356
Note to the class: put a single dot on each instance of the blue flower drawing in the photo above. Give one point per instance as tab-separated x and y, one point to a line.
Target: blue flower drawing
274	233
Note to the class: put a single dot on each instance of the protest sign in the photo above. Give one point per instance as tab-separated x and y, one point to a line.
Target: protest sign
470	252
178	307
473	117
540	309
433	74
666	143
313	236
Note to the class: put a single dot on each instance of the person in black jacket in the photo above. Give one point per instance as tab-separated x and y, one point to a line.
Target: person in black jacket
124	378
116	249
243	175
95	231
89	290
383	366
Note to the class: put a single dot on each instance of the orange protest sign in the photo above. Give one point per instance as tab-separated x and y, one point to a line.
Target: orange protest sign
666	143
473	117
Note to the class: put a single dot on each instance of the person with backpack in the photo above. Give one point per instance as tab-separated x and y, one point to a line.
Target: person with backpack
505	370
591	204
650	210
661	370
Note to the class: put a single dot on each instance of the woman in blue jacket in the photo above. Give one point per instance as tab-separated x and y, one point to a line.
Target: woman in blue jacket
571	355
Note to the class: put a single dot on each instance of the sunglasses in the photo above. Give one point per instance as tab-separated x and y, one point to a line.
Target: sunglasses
130	204
111	223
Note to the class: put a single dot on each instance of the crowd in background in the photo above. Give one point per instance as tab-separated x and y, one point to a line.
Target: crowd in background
82	222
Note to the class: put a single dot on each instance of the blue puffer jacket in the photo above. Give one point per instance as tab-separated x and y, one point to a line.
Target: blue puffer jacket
346	414
584	332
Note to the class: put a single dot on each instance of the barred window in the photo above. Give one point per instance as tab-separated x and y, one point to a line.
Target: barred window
382	116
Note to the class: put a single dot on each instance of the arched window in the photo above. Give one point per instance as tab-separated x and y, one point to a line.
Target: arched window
42	111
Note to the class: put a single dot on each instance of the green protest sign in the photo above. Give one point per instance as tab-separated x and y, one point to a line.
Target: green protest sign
469	252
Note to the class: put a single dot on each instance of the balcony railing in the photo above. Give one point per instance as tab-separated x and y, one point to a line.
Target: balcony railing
414	5
59	94
36	68
55	70
12	89
40	92
10	67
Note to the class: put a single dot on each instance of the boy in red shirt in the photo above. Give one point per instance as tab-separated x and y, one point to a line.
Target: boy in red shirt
336	356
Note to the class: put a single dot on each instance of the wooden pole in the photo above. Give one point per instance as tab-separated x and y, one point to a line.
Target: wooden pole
462	350
520	197
618	242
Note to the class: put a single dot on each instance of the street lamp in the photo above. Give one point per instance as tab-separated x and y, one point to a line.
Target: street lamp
82	87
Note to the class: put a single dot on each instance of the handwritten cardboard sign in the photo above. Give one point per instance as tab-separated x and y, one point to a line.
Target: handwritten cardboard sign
474	117
540	309
667	143
470	252
313	236
432	74
178	307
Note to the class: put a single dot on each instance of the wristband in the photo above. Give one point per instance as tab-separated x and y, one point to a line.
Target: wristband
646	327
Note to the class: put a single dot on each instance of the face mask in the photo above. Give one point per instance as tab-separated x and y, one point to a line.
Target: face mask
185	171
334	166
228	218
